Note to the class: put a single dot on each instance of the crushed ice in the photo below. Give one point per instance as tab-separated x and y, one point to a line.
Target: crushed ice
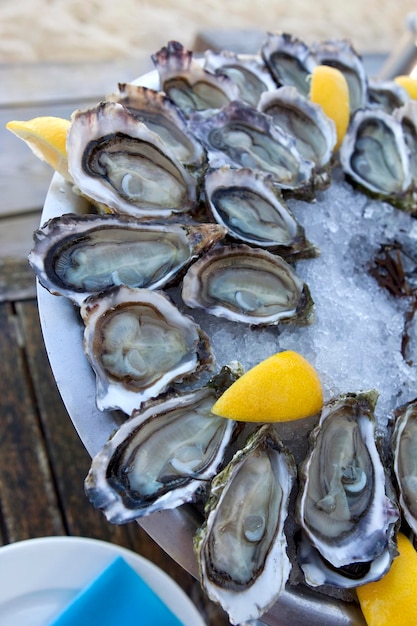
356	339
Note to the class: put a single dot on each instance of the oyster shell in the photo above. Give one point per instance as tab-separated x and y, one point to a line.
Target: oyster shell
160	457
78	255
407	116
187	84
240	136
404	448
247	285
314	133
289	60
387	95
119	162
241	548
138	343
246	71
339	53
164	118
343	505
252	209
318	572
375	157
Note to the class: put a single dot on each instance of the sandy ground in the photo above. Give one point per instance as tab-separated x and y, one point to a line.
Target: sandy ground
74	30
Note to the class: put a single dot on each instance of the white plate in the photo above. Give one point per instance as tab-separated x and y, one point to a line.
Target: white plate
40	577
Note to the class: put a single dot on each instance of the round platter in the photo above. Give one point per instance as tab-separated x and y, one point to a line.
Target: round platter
174	530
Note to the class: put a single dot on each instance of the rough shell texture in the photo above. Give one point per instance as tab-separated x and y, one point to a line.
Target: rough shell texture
160	457
343	506
241	548
247	285
138	343
78	255
119	162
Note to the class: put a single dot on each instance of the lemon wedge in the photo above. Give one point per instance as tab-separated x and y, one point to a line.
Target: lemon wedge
392	601
46	137
329	89
409	84
283	387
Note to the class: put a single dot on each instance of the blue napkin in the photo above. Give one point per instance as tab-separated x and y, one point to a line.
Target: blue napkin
117	597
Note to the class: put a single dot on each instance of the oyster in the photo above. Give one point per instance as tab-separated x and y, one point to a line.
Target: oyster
160	457
117	161
138	343
164	118
241	548
387	95
289	60
404	447
314	133
318	572
247	285
343	505
240	136
375	157
187	84
339	53
78	255
246	71
252	209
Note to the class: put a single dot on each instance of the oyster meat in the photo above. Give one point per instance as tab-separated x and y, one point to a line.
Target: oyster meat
289	60
314	132
138	343
187	84
404	448
164	118
375	157
241	548
119	162
246	71
240	136
78	255
248	285
344	505
252	209
159	458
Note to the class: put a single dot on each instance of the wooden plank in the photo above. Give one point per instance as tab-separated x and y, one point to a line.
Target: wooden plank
29	83
17	280
70	463
27	494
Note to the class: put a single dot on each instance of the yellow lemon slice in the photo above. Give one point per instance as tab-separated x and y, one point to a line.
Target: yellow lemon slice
409	84
281	388
329	89
46	137
392	601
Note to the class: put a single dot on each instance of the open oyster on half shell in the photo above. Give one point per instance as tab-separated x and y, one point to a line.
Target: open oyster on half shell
138	343
78	255
248	285
241	136
248	204
344	505
120	163
160	458
375	157
241	548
